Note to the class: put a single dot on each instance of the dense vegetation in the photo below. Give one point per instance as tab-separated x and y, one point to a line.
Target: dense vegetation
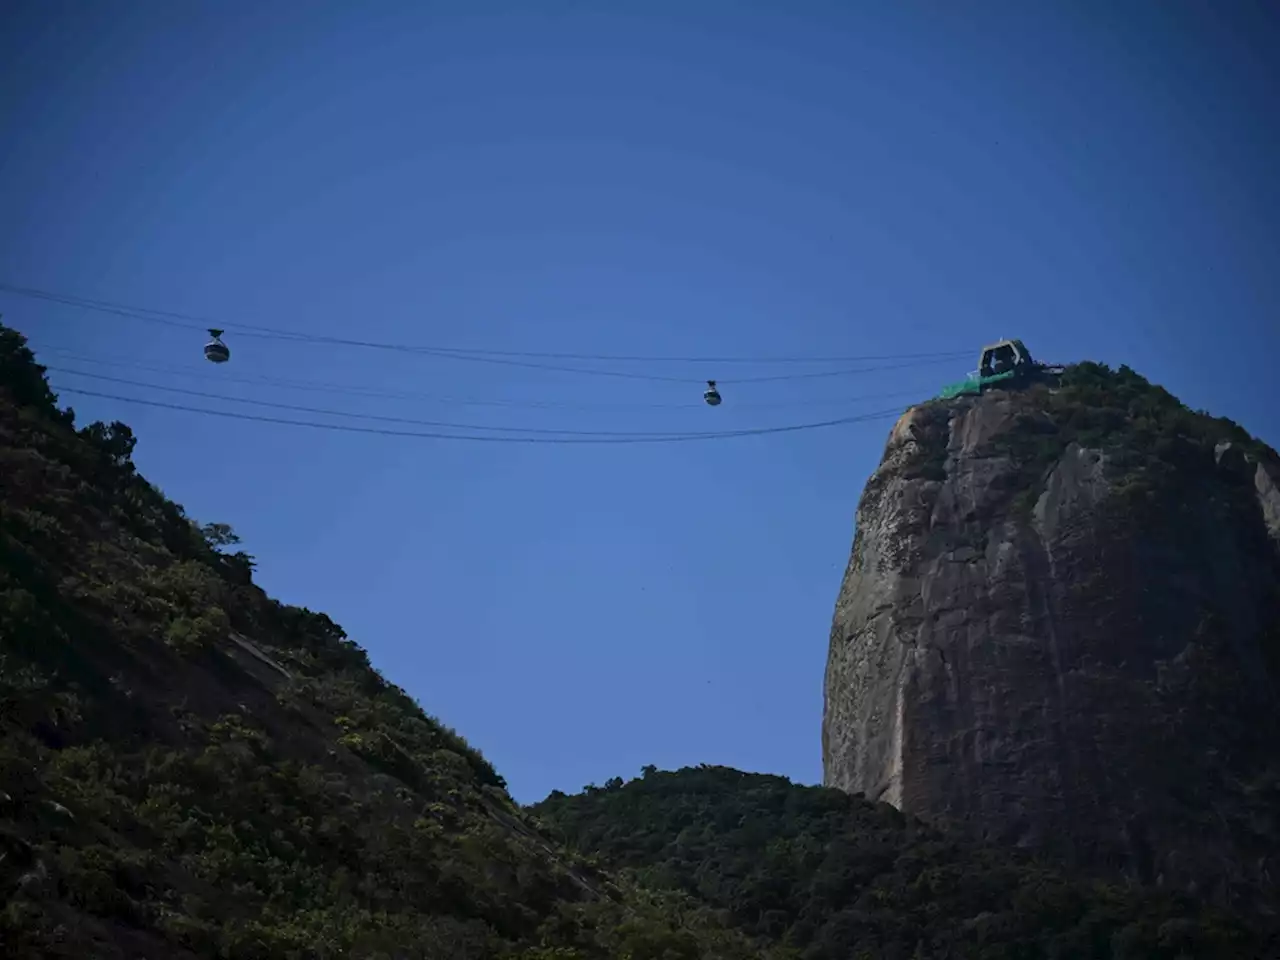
189	768
835	876
1153	441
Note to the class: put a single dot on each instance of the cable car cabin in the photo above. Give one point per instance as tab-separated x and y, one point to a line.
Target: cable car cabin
1003	363
711	394
1005	356
215	351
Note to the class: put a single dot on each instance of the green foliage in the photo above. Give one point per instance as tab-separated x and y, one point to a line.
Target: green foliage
21	376
1154	444
834	876
188	765
218	535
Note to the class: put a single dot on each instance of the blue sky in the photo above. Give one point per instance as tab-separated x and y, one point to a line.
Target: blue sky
704	179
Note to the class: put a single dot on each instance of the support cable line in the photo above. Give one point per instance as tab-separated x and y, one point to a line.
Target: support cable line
360	416
352	428
200	373
368	416
513	357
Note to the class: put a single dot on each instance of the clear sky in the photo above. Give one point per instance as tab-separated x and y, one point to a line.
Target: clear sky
682	179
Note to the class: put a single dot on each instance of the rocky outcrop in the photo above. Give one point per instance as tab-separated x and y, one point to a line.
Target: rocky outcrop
1060	627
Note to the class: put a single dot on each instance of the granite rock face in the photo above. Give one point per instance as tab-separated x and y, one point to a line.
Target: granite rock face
1044	639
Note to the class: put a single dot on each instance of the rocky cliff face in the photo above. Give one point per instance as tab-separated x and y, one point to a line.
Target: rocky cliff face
1060	625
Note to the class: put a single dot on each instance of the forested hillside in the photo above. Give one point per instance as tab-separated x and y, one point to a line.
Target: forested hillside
835	876
190	768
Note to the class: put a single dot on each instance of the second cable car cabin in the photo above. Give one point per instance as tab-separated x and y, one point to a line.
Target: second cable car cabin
215	351
1004	363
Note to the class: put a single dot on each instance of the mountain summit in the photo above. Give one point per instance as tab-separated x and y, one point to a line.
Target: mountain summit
1060	628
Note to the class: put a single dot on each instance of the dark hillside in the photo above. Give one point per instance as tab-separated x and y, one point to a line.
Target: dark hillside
838	877
190	768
